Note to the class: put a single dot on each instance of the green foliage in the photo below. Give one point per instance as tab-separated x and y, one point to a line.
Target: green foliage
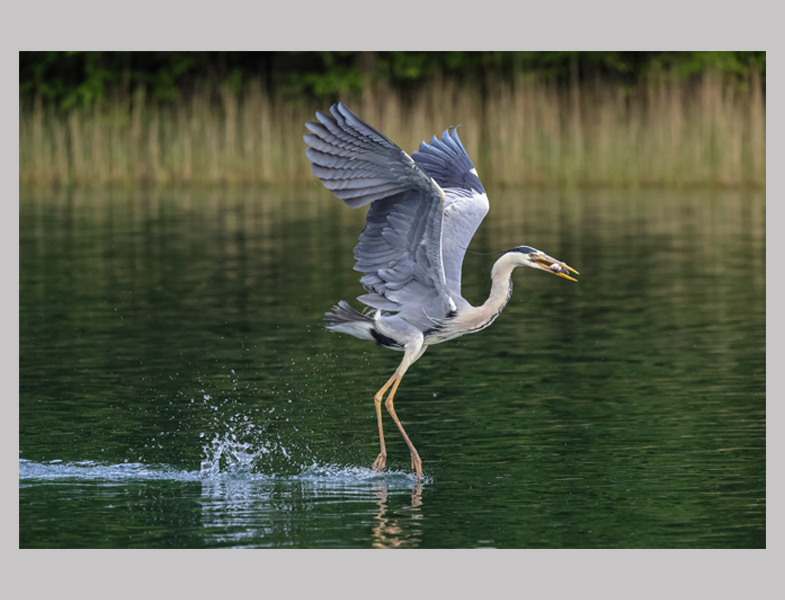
165	81
694	63
73	79
338	79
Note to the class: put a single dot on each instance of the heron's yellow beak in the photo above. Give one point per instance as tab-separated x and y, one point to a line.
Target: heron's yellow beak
551	265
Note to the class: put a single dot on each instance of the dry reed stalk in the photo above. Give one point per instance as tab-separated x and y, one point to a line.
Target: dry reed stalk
39	157
135	142
60	175
757	124
229	103
184	172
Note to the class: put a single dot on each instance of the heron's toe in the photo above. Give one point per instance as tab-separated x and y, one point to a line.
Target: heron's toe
380	462
417	465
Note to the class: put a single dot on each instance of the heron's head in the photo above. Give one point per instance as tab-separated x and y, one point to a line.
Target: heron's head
525	256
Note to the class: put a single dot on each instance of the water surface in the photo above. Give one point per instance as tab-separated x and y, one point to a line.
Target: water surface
177	388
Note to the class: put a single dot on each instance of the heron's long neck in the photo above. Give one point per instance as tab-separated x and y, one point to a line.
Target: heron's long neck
501	290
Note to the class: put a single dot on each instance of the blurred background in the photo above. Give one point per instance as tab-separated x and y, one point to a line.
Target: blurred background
177	255
531	118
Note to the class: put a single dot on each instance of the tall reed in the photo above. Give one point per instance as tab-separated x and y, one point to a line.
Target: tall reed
530	132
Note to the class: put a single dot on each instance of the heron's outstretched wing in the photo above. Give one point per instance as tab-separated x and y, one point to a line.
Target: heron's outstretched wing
357	163
466	205
400	249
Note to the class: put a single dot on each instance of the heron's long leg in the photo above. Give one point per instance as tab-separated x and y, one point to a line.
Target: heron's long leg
381	460
416	462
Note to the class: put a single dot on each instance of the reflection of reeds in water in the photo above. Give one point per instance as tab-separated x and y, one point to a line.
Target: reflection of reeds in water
664	132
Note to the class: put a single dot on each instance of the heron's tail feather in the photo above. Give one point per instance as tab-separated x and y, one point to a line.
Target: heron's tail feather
344	319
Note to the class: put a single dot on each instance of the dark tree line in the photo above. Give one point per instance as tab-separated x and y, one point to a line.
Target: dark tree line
79	78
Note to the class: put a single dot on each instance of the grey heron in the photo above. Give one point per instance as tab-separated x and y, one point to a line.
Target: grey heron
424	210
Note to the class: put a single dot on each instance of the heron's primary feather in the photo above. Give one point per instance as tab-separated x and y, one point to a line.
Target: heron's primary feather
357	163
448	163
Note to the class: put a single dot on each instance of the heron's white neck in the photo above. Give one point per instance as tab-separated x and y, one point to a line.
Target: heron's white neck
482	316
477	318
501	285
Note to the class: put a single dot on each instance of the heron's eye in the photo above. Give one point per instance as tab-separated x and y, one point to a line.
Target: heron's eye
533	255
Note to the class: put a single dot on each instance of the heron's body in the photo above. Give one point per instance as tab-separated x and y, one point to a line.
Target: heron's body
424	211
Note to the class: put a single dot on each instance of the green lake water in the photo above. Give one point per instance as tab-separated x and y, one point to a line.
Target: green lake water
177	388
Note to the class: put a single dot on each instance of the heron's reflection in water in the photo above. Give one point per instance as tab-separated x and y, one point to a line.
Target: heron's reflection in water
397	528
253	510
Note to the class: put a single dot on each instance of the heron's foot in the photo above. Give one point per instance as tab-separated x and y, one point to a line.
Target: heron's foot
417	465
380	462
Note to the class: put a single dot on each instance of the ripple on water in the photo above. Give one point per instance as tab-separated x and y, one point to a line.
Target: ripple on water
91	470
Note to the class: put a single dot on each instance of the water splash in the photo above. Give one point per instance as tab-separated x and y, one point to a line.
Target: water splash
231	462
333	474
227	455
250	456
